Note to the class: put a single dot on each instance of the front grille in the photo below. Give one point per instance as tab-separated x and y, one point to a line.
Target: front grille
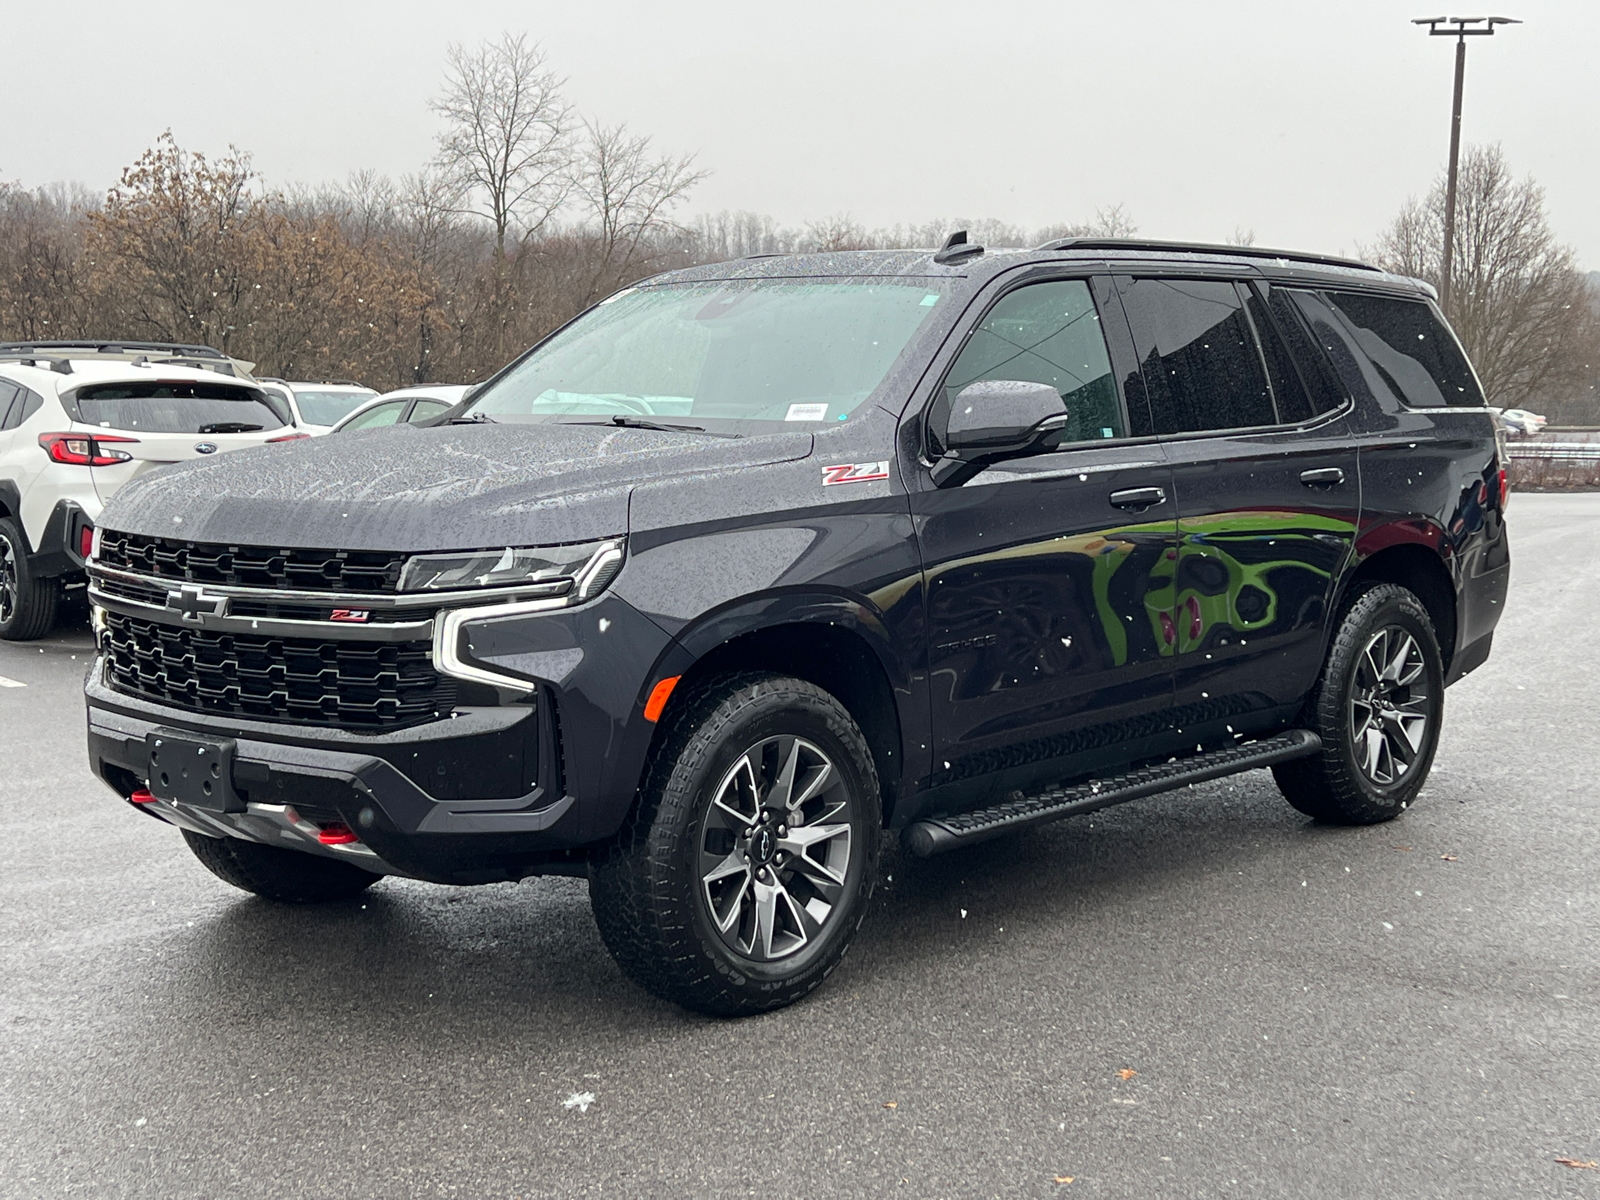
293	569
345	684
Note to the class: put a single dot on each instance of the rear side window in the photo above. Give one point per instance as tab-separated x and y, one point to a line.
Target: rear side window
10	397
1294	404
159	407
1200	362
1043	333
1416	355
1321	381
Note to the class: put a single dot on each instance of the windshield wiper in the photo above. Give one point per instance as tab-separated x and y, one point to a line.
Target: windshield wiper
229	427
638	423
474	418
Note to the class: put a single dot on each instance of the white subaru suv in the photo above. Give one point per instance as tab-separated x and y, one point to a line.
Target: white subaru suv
77	421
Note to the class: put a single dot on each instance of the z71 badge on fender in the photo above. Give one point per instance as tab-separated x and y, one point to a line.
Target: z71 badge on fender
854	473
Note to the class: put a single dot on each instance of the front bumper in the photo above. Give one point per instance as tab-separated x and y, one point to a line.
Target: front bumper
295	782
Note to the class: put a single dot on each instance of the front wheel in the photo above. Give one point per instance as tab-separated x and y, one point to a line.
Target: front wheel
1377	707
748	864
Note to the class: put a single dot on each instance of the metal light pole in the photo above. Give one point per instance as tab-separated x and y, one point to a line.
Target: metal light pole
1460	28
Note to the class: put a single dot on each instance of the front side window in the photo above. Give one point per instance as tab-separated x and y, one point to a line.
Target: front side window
1199	359
1042	333
378	414
1418	357
736	356
176	408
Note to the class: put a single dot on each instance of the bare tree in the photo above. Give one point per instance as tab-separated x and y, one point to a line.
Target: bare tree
628	193
1112	222
1242	236
507	143
838	232
1522	309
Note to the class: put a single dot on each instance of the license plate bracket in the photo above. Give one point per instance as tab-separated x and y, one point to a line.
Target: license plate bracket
193	771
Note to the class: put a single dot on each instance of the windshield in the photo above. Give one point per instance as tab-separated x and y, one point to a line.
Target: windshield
325	408
758	351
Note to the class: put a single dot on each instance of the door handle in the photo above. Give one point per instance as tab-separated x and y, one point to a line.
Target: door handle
1139	499
1322	477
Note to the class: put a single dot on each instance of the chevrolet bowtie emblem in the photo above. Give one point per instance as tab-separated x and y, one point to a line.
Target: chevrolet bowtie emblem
192	603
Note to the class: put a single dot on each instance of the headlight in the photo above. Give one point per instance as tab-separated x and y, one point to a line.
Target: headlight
578	572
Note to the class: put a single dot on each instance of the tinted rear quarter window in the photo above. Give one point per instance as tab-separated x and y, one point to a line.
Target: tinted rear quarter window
158	407
1199	358
1411	348
10	397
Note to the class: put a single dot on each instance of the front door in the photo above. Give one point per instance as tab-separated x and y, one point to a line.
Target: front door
1049	578
1267	491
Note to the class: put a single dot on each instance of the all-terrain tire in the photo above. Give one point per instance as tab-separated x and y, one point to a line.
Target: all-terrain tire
287	876
1346	783
657	904
27	603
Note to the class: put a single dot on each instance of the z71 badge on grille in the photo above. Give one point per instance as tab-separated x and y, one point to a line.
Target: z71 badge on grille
854	473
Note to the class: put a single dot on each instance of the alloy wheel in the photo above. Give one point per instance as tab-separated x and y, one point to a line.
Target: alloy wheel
774	848
1390	706
8	580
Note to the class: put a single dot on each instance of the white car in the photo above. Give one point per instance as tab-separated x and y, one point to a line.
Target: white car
318	407
1520	420
406	406
76	423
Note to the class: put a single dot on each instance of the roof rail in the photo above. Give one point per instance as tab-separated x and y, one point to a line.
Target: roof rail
108	346
1094	243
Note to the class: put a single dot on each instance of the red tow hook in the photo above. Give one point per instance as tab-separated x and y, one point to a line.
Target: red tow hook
142	796
336	835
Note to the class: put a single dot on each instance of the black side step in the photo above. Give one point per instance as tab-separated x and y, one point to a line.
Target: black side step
938	834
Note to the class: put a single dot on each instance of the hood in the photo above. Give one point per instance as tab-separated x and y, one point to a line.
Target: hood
453	487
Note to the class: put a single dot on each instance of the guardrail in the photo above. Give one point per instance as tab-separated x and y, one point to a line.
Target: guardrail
1559	451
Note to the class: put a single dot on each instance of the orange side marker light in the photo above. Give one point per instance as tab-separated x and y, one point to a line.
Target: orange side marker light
658	698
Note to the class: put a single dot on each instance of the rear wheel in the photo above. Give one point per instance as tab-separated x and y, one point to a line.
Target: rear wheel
1377	707
748	865
288	876
27	604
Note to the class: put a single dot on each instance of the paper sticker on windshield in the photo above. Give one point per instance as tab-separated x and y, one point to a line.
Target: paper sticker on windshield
854	473
807	412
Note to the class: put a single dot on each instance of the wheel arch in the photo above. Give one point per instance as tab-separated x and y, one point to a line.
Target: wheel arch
1409	557
832	641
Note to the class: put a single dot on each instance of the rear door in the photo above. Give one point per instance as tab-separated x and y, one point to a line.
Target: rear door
1264	467
160	422
1048	578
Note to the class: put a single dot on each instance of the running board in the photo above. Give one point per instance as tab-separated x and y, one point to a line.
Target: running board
938	834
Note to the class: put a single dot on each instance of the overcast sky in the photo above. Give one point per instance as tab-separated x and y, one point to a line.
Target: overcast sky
1308	121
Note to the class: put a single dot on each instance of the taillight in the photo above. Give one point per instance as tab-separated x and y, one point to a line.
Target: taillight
84	449
288	437
1505	488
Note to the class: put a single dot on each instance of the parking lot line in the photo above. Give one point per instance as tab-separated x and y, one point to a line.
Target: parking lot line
4	682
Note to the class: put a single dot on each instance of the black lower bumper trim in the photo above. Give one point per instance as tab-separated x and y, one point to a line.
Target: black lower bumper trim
938	834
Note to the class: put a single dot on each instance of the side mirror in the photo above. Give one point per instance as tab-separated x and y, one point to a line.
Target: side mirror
996	419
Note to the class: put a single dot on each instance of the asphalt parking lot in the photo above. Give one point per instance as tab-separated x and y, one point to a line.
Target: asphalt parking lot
1196	995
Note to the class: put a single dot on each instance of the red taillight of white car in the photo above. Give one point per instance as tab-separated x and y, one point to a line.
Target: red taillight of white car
84	449
288	437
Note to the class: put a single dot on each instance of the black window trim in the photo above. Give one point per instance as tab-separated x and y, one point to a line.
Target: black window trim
1316	420
1030	274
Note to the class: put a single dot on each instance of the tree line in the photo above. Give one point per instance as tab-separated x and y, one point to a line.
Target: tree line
529	212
